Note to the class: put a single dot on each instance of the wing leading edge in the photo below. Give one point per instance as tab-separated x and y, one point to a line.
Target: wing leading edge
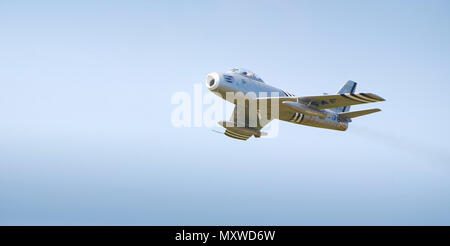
332	101
340	100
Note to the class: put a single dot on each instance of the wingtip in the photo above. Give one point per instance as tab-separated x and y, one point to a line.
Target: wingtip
375	96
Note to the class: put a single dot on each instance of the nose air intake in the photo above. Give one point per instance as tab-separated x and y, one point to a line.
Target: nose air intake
212	81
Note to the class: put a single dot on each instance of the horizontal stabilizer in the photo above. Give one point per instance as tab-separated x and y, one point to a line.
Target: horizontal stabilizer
354	114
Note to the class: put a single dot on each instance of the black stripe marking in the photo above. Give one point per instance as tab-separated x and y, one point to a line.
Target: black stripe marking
292	117
229	134
299	118
288	94
295	116
366	98
350	98
239	134
362	98
366	95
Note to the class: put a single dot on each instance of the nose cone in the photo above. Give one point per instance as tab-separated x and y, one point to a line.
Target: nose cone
212	81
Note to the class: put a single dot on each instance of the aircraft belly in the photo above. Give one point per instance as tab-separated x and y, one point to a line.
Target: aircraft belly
314	121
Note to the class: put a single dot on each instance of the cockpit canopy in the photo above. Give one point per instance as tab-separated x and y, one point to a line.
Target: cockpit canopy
246	73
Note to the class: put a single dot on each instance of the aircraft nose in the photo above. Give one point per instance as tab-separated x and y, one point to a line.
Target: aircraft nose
212	81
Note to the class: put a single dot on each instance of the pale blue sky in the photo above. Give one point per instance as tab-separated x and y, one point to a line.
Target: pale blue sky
86	137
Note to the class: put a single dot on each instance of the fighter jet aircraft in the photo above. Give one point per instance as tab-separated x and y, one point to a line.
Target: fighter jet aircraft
324	111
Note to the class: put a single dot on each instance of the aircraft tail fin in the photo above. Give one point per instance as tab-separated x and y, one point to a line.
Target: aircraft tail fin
348	87
348	115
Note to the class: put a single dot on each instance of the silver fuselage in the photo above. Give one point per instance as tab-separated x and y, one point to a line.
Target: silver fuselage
221	83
